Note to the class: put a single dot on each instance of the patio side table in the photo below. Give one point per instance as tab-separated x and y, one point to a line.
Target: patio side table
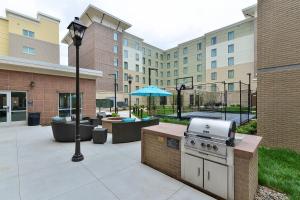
99	135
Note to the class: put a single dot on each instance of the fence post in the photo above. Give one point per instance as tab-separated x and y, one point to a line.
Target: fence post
249	97
240	102
225	101
141	113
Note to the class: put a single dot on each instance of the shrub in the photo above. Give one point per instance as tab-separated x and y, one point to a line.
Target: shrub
249	128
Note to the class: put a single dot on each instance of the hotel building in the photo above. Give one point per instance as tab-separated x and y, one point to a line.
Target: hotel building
226	54
31	78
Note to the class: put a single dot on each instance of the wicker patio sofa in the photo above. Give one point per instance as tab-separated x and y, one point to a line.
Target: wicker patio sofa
65	131
123	132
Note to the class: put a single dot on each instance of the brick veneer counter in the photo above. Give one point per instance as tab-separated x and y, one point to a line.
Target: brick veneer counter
158	155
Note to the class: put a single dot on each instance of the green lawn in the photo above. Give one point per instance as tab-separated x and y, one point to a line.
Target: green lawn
280	169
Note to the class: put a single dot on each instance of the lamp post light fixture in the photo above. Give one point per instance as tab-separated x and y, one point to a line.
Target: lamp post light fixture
77	29
149	78
115	89
130	81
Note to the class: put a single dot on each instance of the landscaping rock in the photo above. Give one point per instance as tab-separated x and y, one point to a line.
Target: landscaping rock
264	193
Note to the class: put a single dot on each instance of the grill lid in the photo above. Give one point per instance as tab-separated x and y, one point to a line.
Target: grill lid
212	128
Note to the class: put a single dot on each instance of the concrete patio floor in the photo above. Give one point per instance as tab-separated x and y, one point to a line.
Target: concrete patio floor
33	166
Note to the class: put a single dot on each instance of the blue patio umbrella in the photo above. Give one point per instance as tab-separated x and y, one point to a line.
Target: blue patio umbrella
151	91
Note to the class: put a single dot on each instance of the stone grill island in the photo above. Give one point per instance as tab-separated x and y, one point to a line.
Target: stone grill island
162	149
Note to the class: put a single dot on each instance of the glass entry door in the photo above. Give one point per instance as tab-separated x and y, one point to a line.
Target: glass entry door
13	107
4	107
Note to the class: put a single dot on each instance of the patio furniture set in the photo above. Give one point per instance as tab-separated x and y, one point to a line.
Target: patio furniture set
122	130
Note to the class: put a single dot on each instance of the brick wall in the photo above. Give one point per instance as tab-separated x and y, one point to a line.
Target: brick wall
156	154
96	52
278	63
46	91
245	177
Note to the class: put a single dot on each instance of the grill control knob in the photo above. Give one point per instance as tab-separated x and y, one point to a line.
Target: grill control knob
192	142
208	146
215	148
203	145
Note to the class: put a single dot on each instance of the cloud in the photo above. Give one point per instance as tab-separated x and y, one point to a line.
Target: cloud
162	23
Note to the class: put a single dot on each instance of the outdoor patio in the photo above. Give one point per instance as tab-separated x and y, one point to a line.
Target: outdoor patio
33	166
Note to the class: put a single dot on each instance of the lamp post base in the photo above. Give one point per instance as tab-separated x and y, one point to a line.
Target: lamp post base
77	157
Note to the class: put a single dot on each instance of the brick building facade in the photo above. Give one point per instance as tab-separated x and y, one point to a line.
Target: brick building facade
278	63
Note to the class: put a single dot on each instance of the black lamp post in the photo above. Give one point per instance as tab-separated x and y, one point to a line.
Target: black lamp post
130	81
149	78
115	88
77	29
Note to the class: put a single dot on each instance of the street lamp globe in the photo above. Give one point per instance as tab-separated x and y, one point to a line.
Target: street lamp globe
130	78
76	29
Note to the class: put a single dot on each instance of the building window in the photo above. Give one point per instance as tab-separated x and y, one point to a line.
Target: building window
199	56
161	65
137	57
28	33
213	53
185	60
161	56
185	50
213	40
126	88
175	72
156	55
116	62
199	68
137	46
29	50
144	80
137	78
185	70
161	82
144	51
168	56
230	35
230	61
126	101
230	74
213	76
125	65
176	64
213	64
199	78
149	52
213	87
149	62
137	101
156	82
125	54
168	82
199	46
137	87
161	74
144	60
230	87
137	68
115	49
125	76
156	64
115	36
156	73
168	65
144	70
67	104
175	54
231	48
168	73
125	42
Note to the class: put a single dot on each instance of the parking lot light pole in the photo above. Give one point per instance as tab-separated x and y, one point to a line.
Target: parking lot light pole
76	30
130	81
115	88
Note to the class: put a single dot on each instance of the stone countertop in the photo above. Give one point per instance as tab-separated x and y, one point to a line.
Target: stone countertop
246	145
166	129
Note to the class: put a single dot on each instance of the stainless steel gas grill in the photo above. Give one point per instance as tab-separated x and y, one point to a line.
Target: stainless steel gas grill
207	156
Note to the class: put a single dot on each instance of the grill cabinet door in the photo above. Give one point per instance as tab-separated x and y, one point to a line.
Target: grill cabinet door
193	170
215	178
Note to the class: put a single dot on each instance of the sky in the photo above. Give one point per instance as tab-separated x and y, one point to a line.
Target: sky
162	23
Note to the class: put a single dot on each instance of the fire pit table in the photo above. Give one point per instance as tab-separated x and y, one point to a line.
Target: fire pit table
107	122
